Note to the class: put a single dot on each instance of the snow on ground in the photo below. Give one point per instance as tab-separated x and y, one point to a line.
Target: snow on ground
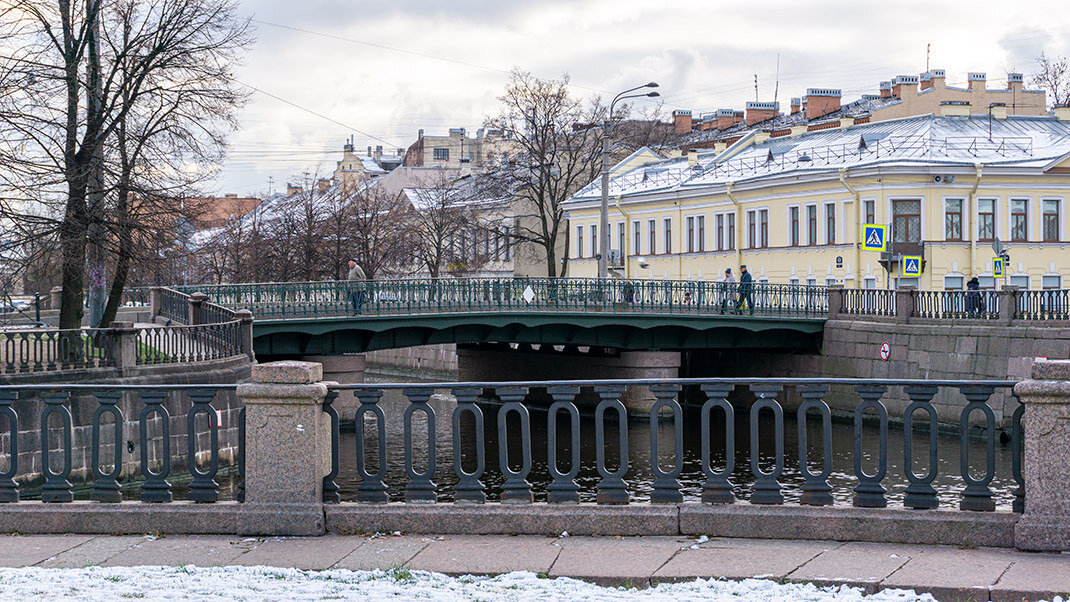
265	583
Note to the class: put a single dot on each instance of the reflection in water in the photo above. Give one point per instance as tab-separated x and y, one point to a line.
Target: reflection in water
948	484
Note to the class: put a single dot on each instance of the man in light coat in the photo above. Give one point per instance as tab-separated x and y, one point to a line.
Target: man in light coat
359	291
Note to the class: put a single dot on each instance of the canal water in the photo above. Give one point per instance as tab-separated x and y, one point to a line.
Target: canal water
948	482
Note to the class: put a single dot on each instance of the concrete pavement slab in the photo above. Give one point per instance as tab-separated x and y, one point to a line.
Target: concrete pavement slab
384	552
750	558
305	553
1034	576
94	552
862	565
615	560
179	550
28	550
466	554
952	574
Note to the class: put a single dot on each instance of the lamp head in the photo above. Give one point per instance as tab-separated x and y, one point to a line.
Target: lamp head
652	85
653	94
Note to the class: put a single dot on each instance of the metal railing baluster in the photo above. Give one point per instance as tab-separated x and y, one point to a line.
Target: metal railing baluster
241	454
9	489
920	494
977	496
420	488
1017	441
330	488
516	489
203	488
563	489
666	484
611	489
156	488
469	489
816	490
870	493
57	487
371	489
766	485
718	488
106	484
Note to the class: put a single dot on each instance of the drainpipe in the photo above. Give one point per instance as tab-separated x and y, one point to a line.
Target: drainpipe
739	223
627	238
858	229
971	215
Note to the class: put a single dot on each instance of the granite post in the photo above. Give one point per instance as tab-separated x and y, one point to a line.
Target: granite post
55	297
1008	302
904	304
246	318
196	300
1045	524
287	449
155	302
835	293
124	341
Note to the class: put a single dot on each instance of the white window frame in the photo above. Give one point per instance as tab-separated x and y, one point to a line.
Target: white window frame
1029	215
637	236
1062	218
975	214
652	236
806	224
666	234
579	241
825	222
964	228
787	230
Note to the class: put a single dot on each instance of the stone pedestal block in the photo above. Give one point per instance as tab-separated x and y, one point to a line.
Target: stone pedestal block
287	449
1045	525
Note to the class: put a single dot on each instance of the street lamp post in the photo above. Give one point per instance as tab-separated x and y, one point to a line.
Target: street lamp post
607	131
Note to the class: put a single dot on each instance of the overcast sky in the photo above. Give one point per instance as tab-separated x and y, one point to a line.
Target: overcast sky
382	70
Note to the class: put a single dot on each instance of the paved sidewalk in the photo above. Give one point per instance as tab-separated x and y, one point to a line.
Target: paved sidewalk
948	573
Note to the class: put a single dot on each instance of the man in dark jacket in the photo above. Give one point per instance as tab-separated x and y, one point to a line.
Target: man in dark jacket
358	293
746	290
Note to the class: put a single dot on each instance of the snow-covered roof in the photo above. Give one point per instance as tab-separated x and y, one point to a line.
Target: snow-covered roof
1023	141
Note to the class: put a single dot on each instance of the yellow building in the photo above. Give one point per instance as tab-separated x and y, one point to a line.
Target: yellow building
791	207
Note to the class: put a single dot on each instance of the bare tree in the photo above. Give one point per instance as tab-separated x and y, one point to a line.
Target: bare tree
73	72
382	238
443	219
557	158
1053	76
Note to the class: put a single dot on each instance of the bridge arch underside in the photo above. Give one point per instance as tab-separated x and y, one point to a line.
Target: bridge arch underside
330	336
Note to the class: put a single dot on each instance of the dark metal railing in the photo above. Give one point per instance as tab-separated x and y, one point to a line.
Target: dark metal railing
1043	305
868	302
676	297
136	296
212	313
33	350
204	450
182	344
515	445
174	305
956	304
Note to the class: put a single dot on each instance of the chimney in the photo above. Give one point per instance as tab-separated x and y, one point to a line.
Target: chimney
401	152
725	118
692	157
938	77
348	147
822	101
954	108
761	137
846	122
378	153
419	134
466	166
977	81
796	105
720	146
1062	112
292	189
926	81
798	130
761	111
905	85
998	110
886	89
681	119
322	185
369	150
1015	81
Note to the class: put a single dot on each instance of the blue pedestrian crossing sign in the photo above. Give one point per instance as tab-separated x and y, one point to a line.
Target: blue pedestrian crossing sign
874	237
910	266
997	267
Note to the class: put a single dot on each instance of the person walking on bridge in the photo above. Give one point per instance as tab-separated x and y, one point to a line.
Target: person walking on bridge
746	290
359	292
728	292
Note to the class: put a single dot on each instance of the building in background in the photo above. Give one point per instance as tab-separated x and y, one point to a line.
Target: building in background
790	203
456	149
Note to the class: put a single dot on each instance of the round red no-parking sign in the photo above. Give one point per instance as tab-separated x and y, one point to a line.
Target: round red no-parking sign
886	351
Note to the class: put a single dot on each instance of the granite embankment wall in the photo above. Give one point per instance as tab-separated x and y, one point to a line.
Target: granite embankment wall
919	350
424	361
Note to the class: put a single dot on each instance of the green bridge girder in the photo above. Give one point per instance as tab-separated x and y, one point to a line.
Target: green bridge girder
662	332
